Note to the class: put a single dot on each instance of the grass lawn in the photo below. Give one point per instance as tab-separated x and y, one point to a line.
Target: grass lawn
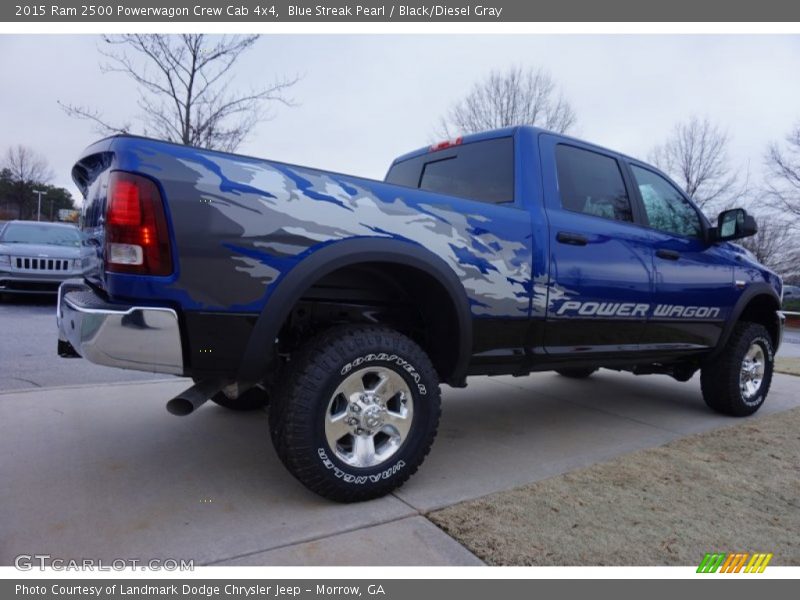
732	489
790	366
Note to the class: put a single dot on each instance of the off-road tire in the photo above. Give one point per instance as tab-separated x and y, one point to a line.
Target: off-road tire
720	379
300	405
253	399
576	373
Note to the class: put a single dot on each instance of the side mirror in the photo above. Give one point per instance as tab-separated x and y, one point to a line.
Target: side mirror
734	224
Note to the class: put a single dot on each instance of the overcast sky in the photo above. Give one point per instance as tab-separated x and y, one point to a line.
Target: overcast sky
365	99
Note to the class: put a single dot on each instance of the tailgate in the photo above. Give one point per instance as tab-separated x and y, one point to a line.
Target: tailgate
90	174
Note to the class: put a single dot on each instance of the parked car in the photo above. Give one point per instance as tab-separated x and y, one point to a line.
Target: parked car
349	300
791	292
36	257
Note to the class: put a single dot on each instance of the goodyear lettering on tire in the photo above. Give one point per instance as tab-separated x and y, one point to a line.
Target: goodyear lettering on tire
391	358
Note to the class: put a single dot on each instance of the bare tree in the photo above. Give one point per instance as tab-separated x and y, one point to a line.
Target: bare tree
696	156
515	97
26	169
783	183
185	88
773	244
26	165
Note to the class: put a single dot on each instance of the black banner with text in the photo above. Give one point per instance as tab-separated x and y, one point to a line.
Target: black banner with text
386	589
255	11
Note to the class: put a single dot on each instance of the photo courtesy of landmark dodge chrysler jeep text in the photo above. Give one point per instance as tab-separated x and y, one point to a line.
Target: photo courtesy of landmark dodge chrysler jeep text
342	303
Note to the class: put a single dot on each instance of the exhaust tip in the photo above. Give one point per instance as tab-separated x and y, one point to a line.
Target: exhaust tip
194	397
180	407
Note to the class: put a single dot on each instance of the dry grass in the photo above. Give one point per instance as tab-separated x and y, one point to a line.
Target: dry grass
733	489
790	366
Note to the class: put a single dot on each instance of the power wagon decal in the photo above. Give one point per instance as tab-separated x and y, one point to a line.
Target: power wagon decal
573	308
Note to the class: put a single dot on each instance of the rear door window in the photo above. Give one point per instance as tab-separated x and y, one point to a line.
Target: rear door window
591	183
482	171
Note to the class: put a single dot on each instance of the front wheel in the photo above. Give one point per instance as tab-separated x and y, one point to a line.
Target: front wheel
738	381
356	413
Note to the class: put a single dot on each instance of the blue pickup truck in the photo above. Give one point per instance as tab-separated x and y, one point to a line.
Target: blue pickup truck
342	303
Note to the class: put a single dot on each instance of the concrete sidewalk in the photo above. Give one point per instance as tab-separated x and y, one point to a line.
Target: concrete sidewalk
105	472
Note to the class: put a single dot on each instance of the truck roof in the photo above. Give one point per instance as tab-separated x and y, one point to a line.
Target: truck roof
106	142
473	137
506	132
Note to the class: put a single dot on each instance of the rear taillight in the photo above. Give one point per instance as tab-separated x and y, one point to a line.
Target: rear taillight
137	240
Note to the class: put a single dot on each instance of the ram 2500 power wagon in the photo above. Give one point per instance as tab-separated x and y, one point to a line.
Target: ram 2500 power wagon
346	302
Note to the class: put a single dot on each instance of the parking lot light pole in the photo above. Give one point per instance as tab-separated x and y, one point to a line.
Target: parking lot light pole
39	208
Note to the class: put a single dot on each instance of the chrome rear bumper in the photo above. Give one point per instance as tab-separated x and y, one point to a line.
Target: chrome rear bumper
142	338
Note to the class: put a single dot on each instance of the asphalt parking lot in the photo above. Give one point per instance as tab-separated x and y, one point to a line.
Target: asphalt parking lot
28	349
97	469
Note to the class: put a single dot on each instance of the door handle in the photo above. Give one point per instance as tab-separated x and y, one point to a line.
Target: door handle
573	239
668	254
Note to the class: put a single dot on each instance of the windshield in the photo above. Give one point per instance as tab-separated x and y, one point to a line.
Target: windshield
34	233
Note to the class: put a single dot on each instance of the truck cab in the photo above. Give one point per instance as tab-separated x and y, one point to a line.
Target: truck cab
627	271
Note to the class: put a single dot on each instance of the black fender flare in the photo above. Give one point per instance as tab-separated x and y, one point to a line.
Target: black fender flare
753	290
291	286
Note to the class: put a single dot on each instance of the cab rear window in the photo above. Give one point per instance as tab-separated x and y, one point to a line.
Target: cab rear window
482	171
591	183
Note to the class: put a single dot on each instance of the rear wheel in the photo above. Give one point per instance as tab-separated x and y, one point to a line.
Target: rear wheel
738	381
576	373
356	413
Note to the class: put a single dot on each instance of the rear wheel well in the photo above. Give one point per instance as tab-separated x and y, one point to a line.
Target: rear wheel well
403	297
763	310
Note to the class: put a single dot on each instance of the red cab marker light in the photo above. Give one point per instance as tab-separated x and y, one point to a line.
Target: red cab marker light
446	144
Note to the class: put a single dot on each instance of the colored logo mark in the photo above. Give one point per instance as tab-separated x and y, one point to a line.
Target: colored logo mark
736	562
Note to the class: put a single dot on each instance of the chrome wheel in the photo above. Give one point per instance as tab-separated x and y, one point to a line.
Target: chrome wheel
369	417
751	373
